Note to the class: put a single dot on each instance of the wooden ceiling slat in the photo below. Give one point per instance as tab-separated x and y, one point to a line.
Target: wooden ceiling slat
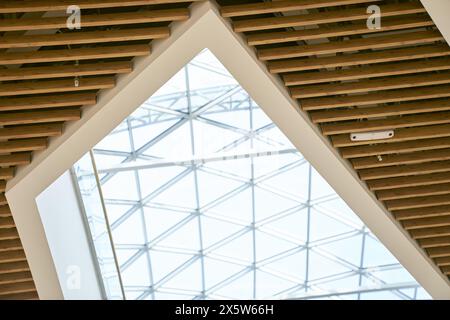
15	277
418	202
29	131
12	267
3	200
54	86
32	295
16	288
446	270
283	6
48	101
434	242
363	86
422	191
427	223
8	245
430	232
6	173
12	256
396	147
88	69
84	37
401	135
399	159
58	5
405	170
8	234
389	24
34	144
5	211
410	181
439	252
443	261
14	159
409	121
95	20
400	95
74	54
6	223
391	69
334	16
54	115
355	59
379	42
2	185
405	108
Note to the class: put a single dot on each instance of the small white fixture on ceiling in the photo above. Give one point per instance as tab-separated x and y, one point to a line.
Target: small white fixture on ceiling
372	135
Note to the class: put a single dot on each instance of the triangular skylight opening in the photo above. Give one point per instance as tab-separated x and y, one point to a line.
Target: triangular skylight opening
207	199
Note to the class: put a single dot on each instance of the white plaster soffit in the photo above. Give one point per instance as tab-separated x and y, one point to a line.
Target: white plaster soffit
205	29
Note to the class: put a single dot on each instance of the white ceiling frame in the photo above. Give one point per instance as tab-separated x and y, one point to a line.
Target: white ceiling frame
205	29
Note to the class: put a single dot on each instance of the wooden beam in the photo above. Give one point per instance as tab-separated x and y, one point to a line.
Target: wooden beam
2	185
443	261
95	20
399	159
21	145
396	147
411	192
430	232
88	69
8	245
410	181
362	86
434	242
12	267
8	234
48	101
46	56
28	131
406	134
55	115
58	5
439	252
379	42
400	109
419	202
283	6
427	223
356	28
427	119
441	91
405	170
12	256
20	288
32	295
54	86
6	173
6	223
356	59
15	277
383	70
3	200
84	37
5	211
332	16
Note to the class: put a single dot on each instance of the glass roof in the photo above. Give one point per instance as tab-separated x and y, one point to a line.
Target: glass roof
198	195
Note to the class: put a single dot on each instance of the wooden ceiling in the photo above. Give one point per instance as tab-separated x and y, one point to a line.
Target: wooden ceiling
40	62
349	79
352	79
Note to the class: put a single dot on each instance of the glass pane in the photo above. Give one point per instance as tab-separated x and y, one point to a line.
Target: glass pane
209	200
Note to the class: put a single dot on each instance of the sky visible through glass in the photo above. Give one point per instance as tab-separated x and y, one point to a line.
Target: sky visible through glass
205	198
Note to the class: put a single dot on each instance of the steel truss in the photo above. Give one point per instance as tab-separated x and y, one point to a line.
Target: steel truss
218	100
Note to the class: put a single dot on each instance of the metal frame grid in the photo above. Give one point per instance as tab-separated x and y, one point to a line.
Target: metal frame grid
266	155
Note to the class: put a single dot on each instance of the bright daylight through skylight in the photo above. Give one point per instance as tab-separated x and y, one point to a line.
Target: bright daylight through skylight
203	197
